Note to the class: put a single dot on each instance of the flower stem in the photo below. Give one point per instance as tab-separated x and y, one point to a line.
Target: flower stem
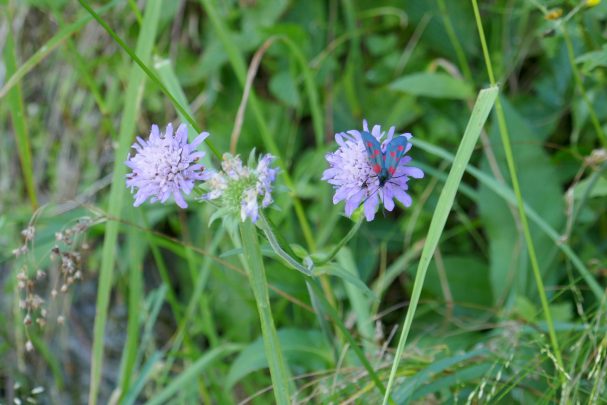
265	226
503	129
341	244
257	279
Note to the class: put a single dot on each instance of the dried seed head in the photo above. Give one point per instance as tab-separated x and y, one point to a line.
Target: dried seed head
60	319
20	251
36	301
27	320
597	157
53	293
55	252
28	233
64	288
29	346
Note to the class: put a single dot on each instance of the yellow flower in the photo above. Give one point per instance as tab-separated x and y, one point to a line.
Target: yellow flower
592	3
555	14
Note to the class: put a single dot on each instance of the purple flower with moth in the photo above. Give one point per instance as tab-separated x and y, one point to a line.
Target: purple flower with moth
165	165
371	171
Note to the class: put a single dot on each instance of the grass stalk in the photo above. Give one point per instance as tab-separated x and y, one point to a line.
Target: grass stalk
257	278
480	112
17	111
505	137
134	94
457	46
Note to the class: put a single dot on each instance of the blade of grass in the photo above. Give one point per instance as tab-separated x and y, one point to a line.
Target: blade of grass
136	290
330	310
457	46
480	112
503	129
257	279
361	304
80	65
132	100
144	375
188	376
17	111
166	73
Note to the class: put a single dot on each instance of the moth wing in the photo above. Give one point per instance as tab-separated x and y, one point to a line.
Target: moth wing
376	157
395	150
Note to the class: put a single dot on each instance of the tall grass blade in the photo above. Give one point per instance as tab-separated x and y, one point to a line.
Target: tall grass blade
17	110
132	100
480	112
188	376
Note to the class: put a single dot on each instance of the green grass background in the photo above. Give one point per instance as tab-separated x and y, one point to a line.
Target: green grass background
497	271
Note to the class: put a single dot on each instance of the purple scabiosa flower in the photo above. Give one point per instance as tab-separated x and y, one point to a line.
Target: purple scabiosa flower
239	188
165	165
354	179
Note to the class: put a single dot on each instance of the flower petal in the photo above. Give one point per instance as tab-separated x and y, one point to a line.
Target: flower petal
370	207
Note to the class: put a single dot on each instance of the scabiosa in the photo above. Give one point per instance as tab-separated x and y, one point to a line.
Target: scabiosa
352	176
241	189
165	165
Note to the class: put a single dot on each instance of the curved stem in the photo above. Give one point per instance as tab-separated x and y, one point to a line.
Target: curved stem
341	244
273	240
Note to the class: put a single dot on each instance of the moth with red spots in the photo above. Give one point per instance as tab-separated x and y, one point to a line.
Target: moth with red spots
384	163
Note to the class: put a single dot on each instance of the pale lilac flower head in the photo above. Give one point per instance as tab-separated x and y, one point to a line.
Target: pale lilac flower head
242	189
165	165
351	174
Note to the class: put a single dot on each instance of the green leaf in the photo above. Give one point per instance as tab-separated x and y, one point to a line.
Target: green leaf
305	349
437	85
346	275
189	375
599	189
468	280
508	263
361	304
283	87
594	59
